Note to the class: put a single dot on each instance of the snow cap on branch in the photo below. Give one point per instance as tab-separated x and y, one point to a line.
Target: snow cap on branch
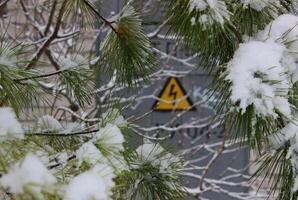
198	5
110	136
260	5
10	128
215	11
288	135
157	156
269	67
258	72
106	172
284	29
89	153
95	184
86	186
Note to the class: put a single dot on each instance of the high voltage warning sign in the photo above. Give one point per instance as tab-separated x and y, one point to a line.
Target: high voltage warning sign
173	97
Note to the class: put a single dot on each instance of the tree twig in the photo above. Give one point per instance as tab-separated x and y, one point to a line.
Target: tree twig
101	17
39	52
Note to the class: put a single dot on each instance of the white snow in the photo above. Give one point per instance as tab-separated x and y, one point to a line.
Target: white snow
288	134
284	29
87	186
260	5
150	151
72	127
295	187
268	64
259	78
111	136
9	126
193	21
294	6
213	3
198	5
43	156
28	173
49	123
157	156
219	11
216	9
95	184
106	172
89	153
205	21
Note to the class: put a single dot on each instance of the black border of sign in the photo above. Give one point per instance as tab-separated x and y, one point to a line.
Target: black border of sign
184	92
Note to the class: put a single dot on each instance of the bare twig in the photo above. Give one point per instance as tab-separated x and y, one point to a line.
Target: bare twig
48	41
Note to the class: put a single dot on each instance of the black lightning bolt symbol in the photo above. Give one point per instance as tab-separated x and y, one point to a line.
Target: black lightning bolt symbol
172	93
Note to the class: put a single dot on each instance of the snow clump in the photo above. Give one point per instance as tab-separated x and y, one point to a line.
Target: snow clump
264	69
215	11
110	136
258	73
95	184
10	128
156	155
260	5
86	186
288	136
30	174
89	153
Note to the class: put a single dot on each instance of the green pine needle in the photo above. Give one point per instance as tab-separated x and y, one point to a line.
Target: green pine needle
127	52
83	11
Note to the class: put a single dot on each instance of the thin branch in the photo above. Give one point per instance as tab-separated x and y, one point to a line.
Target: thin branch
52	59
55	134
76	115
158	30
214	158
50	18
40	76
39	52
2	4
59	164
100	16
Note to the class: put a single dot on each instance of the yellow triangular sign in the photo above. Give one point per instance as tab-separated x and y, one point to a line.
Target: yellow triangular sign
173	97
